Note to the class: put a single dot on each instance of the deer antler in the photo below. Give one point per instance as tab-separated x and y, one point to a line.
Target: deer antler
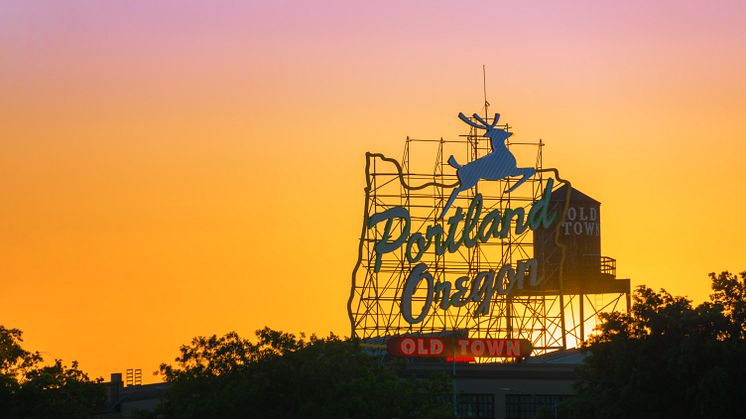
479	118
494	121
469	121
497	118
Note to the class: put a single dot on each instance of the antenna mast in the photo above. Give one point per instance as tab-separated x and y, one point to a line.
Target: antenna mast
484	85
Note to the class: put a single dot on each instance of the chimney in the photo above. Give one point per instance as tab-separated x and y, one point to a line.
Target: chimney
115	388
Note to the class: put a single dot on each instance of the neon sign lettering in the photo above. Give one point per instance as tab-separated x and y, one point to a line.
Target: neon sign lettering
492	225
462	230
441	347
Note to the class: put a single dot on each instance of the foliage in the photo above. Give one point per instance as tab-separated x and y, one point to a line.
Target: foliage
730	293
31	389
284	376
667	358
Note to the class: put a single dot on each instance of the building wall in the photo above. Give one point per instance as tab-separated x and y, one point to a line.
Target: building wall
516	390
499	388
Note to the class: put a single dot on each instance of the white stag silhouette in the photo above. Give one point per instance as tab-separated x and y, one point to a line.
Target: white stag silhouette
498	164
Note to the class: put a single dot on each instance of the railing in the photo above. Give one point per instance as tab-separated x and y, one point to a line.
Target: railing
608	266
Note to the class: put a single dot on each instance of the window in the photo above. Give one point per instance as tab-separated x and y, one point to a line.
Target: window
480	406
525	406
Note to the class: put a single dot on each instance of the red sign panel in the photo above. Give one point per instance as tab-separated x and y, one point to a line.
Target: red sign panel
436	347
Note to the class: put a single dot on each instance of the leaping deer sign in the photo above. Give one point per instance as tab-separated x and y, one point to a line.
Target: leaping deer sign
498	164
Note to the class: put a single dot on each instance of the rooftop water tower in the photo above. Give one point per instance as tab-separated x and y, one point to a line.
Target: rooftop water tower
584	270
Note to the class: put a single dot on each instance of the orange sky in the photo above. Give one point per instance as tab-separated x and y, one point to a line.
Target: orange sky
185	168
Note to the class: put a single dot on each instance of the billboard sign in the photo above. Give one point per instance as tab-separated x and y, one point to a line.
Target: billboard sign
483	238
395	232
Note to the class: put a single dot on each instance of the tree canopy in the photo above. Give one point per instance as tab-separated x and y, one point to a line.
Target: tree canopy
668	358
665	358
29	388
281	375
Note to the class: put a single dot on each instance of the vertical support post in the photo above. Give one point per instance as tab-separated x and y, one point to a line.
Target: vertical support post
453	385
582	317
629	305
562	316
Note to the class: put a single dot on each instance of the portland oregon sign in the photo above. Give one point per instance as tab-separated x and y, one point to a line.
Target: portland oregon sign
475	237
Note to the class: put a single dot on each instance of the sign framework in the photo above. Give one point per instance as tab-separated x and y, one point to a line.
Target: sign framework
381	302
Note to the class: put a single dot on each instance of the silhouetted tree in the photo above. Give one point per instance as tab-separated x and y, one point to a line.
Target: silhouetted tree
667	358
281	376
730	293
30	389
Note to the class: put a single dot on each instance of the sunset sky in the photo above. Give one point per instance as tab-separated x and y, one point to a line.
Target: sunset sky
171	169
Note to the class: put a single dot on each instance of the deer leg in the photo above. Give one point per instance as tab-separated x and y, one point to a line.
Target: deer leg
526	172
454	194
466	181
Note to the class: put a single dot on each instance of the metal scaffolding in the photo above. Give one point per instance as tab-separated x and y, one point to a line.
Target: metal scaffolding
550	320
